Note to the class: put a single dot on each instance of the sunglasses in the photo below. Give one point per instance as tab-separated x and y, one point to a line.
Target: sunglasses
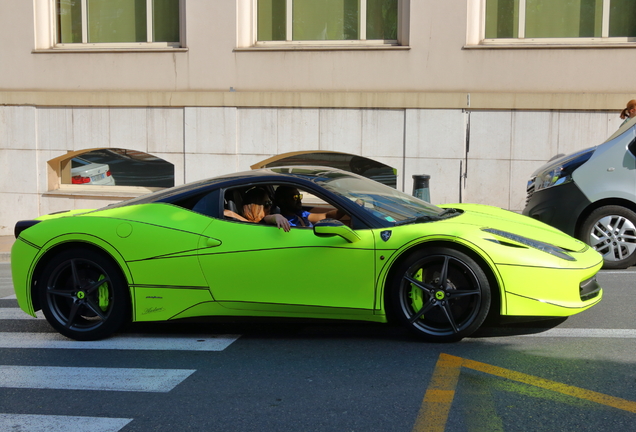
297	197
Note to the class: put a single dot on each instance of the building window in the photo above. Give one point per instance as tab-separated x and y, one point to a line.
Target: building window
117	22
567	20
327	20
360	165
95	169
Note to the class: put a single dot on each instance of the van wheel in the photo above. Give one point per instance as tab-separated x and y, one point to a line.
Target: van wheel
611	230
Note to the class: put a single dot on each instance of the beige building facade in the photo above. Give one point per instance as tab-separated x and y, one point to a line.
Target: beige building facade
443	94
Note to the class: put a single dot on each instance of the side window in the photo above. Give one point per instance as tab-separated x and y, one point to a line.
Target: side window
249	203
327	20
632	147
258	203
572	21
303	208
116	23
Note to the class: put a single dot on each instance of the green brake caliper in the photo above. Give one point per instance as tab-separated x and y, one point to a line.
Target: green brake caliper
417	297
103	294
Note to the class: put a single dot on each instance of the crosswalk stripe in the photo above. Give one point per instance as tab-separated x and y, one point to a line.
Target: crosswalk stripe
49	423
91	378
17	314
119	342
9	297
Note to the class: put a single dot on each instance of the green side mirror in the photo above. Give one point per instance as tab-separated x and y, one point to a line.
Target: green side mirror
333	227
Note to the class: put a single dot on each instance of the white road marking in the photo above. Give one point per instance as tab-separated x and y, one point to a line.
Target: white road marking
120	342
50	423
617	272
8	297
562	333
90	378
586	333
18	314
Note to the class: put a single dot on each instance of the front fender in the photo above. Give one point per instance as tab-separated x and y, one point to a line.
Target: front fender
397	256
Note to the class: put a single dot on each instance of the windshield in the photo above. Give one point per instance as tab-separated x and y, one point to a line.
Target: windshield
382	201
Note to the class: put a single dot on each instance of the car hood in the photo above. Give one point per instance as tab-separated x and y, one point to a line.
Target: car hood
484	216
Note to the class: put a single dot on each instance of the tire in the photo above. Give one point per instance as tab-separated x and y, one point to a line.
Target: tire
438	308
84	295
611	230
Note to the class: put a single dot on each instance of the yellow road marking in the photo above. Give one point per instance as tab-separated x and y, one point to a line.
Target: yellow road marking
439	396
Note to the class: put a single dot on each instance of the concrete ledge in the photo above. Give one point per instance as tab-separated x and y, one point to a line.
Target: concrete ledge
303	99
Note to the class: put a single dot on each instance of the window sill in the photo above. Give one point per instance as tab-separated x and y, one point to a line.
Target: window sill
551	45
323	48
105	50
119	193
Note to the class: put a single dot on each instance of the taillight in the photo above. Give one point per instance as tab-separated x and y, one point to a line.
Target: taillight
107	173
80	180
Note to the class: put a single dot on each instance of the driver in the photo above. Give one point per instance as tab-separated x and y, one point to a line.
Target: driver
289	200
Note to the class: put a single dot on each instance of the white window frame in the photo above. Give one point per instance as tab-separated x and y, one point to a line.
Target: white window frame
476	30
46	30
247	25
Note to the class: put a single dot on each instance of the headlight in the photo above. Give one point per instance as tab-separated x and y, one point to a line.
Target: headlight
561	172
544	247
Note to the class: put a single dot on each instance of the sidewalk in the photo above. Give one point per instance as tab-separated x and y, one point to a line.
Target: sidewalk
5	248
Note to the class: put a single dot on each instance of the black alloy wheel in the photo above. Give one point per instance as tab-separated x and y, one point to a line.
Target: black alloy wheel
83	295
441	294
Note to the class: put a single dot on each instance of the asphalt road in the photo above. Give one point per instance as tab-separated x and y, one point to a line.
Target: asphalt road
567	375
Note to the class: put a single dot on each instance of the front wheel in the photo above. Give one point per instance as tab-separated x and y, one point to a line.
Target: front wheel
83	294
611	230
441	294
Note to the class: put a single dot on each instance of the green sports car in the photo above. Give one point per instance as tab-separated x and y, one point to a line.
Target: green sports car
191	251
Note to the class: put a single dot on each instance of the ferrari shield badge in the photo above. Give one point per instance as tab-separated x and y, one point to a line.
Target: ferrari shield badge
386	235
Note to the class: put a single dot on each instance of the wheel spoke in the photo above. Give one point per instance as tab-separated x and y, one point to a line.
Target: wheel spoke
421	285
463	293
72	314
90	303
95	285
449	315
427	307
76	279
443	278
60	293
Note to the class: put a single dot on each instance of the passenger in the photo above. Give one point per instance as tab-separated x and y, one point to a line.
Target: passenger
257	206
289	200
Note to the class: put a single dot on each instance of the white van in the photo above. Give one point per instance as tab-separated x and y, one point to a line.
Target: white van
591	195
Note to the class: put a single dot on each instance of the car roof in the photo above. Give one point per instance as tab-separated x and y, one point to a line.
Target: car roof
296	174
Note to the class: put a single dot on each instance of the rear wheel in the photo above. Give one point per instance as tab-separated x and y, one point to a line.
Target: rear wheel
611	230
83	294
441	294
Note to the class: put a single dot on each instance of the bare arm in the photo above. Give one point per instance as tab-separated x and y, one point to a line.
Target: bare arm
279	220
331	214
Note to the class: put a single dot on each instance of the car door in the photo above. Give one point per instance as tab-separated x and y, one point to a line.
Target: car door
257	263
